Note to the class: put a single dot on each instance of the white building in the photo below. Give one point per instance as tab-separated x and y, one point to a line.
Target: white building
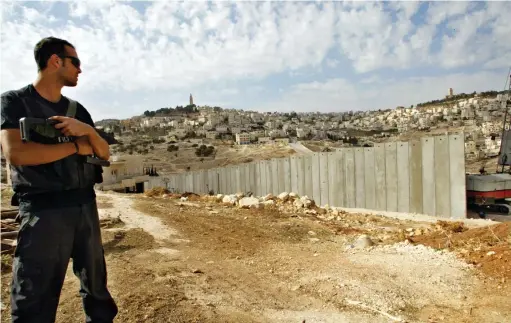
263	140
125	173
211	134
243	138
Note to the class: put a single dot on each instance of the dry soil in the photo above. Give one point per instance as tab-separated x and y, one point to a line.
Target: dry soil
202	261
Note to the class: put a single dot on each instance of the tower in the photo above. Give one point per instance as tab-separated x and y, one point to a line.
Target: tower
191	99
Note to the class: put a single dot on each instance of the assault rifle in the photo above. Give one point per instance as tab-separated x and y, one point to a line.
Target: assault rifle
45	127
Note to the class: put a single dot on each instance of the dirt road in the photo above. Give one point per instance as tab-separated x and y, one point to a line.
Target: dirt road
202	261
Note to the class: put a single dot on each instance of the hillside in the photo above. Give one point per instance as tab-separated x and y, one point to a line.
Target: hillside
185	157
460	96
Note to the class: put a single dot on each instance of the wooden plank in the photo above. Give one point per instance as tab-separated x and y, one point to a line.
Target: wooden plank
9	214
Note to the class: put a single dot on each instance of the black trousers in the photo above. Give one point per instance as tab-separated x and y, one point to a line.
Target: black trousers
46	241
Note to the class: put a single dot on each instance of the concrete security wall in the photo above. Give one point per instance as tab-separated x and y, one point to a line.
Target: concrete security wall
425	176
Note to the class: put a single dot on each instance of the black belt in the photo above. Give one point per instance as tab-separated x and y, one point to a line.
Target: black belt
54	199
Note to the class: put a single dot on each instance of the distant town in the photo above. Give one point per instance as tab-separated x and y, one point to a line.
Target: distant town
478	115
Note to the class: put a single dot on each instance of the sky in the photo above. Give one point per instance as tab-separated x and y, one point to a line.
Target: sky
265	56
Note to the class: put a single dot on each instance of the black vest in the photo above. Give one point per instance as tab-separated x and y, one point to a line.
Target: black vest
59	178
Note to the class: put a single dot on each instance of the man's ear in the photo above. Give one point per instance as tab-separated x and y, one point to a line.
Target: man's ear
55	61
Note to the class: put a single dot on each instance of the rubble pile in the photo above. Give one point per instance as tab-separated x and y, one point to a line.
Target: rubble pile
156	191
286	202
378	227
283	202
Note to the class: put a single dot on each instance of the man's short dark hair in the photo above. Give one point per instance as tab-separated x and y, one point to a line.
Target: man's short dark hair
47	47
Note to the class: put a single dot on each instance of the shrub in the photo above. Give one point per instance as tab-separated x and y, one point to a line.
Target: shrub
204	151
171	148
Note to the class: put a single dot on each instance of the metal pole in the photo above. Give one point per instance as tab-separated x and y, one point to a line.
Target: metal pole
502	141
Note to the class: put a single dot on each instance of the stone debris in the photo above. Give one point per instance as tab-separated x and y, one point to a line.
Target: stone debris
249	203
363	241
292	201
284	196
267	197
313	212
230	199
304	202
156	192
287	202
370	230
421	253
268	203
296	206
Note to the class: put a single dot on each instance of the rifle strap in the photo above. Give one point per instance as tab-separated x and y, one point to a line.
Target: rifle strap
71	108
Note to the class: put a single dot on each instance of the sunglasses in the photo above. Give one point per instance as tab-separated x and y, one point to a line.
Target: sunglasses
74	60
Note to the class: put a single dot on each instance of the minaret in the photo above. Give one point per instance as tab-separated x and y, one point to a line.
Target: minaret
191	99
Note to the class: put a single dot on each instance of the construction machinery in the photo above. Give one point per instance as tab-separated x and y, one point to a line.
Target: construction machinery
492	192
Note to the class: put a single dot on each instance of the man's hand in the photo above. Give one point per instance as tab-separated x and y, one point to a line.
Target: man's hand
84	147
72	126
19	153
76	128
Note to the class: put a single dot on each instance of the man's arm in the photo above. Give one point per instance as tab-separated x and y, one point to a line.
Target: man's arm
19	153
74	127
99	145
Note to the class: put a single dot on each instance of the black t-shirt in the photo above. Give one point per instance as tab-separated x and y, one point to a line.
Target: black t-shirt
12	111
43	186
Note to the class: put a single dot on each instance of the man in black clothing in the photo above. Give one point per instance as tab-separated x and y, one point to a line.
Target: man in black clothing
54	189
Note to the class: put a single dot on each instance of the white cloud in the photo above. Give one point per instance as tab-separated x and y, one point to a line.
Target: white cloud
255	47
332	62
6	8
440	11
339	94
469	45
173	47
